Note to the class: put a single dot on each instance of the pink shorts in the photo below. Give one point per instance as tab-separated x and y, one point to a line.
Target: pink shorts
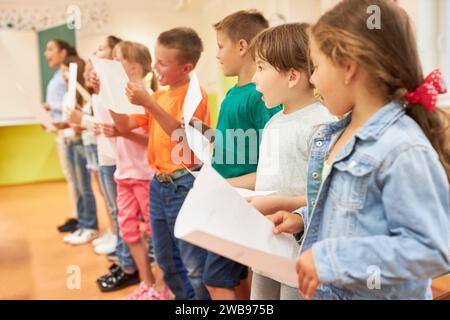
133	204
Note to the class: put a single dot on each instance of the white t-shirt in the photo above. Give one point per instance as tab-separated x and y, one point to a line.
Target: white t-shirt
284	153
284	150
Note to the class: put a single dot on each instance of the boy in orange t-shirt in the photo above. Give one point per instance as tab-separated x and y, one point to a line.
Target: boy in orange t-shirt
177	52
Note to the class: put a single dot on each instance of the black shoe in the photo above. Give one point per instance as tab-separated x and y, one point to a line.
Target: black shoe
118	280
113	269
70	225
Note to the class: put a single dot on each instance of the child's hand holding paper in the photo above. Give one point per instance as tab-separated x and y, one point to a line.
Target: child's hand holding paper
97	129
94	82
138	95
109	130
74	115
46	106
286	222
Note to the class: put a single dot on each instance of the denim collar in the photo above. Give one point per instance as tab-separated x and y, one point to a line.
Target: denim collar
372	130
381	121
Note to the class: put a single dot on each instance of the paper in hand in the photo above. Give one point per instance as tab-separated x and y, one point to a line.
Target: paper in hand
113	82
196	140
84	93
72	85
245	193
216	217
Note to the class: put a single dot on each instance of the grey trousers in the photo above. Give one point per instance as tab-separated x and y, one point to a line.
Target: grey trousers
264	288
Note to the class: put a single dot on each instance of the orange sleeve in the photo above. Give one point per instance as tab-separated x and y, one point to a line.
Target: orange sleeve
141	119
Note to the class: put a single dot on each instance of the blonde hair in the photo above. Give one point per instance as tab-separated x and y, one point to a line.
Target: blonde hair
389	55
137	53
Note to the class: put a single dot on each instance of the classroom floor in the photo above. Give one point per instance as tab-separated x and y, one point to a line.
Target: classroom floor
34	260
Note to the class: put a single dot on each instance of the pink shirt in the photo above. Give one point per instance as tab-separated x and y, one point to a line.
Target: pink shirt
132	159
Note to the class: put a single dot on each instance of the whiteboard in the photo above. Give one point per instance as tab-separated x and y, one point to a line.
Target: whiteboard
19	67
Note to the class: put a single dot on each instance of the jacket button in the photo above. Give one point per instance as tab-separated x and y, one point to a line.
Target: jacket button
315	175
319	143
313	203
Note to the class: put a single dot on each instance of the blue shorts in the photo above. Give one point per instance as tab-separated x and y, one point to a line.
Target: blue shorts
221	272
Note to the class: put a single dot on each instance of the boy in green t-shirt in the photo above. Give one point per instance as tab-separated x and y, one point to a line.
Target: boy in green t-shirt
243	115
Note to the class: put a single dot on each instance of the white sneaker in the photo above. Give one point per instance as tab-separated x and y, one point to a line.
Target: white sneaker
68	238
83	236
107	247
103	238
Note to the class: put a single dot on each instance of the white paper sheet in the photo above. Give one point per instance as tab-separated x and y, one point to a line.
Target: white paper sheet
192	99
84	93
72	85
214	216
113	82
245	193
198	144
196	141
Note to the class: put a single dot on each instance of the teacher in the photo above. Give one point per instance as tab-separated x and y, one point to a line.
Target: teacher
55	53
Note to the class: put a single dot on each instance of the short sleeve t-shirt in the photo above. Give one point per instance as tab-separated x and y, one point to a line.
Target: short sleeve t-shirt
160	149
243	115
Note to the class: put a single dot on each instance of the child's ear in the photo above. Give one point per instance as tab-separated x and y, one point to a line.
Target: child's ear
294	77
351	68
188	67
243	47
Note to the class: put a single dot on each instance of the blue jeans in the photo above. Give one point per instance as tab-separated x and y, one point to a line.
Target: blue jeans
84	196
182	263
109	188
91	157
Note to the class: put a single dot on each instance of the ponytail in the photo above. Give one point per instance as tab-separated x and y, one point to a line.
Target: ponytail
436	126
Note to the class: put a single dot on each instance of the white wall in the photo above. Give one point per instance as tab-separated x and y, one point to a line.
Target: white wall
19	76
143	20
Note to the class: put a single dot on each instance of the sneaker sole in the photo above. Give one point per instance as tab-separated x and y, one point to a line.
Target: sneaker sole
104	253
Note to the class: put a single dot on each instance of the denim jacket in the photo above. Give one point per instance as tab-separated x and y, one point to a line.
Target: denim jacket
379	224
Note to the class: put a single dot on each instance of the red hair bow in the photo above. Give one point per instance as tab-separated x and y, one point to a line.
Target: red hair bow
426	94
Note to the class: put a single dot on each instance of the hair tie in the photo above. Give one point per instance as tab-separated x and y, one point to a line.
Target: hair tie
426	94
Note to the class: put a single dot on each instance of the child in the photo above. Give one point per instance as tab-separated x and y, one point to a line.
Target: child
86	206
378	229
133	177
242	111
109	242
55	52
125	272
106	244
282	76
177	52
